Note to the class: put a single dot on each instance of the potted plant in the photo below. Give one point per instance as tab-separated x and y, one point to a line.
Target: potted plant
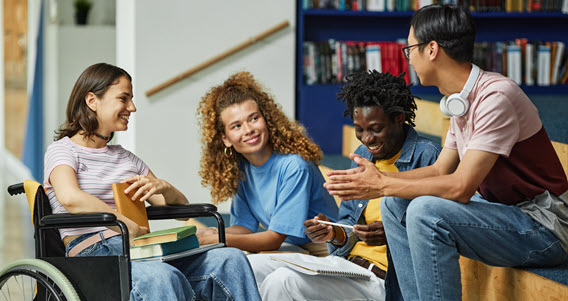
82	8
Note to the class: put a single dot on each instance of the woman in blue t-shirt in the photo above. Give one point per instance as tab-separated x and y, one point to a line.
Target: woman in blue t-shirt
255	155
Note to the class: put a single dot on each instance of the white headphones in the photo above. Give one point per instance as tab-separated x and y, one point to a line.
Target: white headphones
457	103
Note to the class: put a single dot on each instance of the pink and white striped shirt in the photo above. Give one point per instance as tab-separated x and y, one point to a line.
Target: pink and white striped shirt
96	169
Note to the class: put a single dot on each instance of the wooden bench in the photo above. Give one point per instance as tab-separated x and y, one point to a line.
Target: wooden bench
480	281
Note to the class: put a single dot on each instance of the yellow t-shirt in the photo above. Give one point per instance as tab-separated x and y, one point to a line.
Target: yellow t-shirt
375	254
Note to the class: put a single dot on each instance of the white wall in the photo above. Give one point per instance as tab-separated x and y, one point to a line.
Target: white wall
172	36
69	49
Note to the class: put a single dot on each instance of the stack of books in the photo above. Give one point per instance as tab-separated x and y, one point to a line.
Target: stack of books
164	242
157	244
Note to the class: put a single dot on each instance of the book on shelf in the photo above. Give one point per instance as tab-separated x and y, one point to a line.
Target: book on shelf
164	236
543	73
557	64
327	266
376	5
135	210
373	57
310	74
514	63
166	248
529	65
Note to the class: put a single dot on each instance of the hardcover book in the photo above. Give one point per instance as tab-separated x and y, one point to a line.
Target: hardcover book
163	236
161	249
134	210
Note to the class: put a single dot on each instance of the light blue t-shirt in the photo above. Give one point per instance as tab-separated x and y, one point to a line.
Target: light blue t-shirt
280	195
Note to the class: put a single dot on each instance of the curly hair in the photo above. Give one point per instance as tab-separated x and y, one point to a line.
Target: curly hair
222	172
372	88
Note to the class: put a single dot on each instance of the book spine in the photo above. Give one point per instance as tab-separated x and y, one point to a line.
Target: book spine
373	57
514	63
543	78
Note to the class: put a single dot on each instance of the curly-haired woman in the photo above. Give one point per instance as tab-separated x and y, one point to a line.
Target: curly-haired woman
255	155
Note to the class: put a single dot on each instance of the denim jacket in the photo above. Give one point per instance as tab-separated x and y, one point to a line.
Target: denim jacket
416	152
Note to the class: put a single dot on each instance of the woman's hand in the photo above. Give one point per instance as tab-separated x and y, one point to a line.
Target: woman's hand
145	186
318	232
135	231
207	231
206	239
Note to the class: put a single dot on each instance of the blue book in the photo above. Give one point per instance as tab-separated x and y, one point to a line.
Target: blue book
167	248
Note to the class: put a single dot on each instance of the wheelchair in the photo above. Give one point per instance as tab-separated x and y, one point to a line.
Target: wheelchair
52	276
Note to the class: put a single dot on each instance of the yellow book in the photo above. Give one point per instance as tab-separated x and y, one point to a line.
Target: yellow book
134	210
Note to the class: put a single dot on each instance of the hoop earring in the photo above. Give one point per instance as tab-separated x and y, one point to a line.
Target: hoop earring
228	152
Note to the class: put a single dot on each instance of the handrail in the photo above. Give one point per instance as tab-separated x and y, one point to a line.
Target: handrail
217	58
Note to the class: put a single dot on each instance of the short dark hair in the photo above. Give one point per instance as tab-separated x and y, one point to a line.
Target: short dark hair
450	25
96	78
372	88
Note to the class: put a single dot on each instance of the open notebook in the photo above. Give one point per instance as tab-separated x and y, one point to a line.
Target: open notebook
326	266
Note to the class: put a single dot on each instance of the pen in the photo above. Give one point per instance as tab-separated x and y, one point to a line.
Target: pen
334	224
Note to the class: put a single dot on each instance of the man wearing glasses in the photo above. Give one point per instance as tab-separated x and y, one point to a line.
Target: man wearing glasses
497	192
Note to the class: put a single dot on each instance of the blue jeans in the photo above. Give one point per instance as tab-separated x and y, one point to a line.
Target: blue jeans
427	235
218	274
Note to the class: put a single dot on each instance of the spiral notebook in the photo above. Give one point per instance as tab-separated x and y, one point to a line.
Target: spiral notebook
327	266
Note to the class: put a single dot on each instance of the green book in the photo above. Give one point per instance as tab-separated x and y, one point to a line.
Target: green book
162	249
166	235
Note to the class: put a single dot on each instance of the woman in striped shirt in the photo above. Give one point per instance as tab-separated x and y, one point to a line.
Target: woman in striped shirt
80	168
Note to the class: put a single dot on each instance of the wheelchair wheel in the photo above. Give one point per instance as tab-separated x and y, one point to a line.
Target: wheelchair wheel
34	279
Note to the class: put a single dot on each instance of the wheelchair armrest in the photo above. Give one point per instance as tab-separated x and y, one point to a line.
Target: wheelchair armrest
69	220
187	211
78	220
180	211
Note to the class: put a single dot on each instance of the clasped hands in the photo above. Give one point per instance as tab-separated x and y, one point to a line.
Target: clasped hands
372	234
362	182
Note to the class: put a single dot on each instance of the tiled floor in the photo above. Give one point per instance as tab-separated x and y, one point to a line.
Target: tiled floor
16	231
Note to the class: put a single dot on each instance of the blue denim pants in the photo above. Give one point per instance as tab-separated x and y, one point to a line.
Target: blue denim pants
218	274
427	235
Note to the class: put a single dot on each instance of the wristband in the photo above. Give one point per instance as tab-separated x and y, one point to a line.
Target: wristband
335	236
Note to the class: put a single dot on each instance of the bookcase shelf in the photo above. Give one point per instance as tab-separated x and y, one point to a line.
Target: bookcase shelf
398	14
316	105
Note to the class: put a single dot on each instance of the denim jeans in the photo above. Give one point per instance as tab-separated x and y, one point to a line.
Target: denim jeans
218	274
427	235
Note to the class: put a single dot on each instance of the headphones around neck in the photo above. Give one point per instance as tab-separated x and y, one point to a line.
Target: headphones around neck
457	103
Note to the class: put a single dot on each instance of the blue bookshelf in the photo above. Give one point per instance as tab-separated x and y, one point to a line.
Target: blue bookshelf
322	115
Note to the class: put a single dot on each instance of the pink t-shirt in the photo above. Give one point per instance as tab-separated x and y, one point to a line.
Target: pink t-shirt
502	120
96	169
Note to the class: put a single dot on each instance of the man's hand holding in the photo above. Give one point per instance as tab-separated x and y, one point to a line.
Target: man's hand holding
318	232
372	234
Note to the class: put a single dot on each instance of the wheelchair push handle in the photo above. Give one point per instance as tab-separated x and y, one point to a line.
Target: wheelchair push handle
16	189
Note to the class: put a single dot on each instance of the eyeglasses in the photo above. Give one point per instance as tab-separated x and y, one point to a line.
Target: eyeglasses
406	49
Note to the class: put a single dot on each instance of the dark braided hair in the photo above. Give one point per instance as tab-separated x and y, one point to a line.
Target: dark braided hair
372	88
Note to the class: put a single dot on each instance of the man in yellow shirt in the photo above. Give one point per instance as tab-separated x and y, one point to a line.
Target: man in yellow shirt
382	108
